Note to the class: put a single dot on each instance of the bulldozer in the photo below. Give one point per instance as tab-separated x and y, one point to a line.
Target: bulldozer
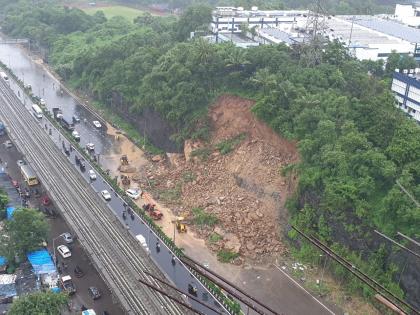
124	160
125	180
180	225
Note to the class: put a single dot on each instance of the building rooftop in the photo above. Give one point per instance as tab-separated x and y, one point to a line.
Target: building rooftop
339	28
280	35
240	12
388	27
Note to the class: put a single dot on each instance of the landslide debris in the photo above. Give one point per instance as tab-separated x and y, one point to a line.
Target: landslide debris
235	178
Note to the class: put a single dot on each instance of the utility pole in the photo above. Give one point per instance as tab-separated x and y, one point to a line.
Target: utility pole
315	27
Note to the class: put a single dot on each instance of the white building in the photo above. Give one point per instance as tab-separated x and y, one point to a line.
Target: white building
408	14
406	87
230	19
373	38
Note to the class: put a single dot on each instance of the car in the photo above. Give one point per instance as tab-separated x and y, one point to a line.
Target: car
64	251
68	238
90	146
75	118
133	193
75	135
92	174
106	195
97	124
8	144
94	293
46	201
20	162
42	102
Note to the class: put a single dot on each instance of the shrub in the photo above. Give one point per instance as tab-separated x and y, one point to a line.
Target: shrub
226	256
202	218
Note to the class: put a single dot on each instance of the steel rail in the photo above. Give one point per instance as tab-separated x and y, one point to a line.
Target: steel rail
71	170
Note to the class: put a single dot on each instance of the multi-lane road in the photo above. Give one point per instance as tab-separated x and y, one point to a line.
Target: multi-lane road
120	259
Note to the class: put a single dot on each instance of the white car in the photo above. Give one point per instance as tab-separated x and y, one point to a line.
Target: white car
68	238
133	193
106	195
20	162
75	135
92	174
64	251
42	102
90	146
97	124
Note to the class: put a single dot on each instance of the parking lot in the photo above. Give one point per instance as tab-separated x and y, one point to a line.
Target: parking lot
9	158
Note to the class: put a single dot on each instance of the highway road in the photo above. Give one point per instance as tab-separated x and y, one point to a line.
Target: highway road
119	259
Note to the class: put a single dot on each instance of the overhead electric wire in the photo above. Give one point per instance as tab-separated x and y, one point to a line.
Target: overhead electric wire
178	290
398	244
408	238
232	285
354	270
170	297
216	282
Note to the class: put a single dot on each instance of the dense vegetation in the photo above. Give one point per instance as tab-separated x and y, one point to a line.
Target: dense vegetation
41	303
354	144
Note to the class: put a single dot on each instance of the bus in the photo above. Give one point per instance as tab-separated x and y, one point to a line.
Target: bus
37	111
29	175
4	76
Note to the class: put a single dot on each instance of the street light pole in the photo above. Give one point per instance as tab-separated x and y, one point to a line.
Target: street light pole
53	244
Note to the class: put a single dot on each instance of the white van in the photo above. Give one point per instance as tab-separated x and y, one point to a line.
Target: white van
4	76
142	241
37	111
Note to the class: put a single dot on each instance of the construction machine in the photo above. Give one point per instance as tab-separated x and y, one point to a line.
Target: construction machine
125	180
124	160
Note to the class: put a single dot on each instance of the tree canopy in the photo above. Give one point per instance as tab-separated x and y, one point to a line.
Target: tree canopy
40	303
25	232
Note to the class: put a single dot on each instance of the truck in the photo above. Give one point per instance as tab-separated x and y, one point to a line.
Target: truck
67	284
57	113
67	124
2	129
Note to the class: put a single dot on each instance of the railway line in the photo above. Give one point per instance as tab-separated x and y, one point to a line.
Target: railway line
119	259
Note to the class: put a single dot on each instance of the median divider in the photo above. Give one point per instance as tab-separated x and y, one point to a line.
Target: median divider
231	306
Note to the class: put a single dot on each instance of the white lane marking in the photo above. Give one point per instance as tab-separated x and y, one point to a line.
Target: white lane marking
295	282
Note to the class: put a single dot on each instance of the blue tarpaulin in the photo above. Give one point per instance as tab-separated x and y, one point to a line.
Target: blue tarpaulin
9	211
3	261
41	261
56	290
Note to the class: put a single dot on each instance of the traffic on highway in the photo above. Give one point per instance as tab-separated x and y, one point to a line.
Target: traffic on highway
133	224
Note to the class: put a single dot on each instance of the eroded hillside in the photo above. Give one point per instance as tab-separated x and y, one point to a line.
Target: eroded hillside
243	188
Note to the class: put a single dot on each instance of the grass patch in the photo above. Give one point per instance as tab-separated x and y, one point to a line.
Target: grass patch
227	146
202	153
202	218
171	195
116	10
188	177
226	256
214	238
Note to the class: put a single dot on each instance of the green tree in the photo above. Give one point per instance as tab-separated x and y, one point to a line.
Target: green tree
40	303
196	17
24	233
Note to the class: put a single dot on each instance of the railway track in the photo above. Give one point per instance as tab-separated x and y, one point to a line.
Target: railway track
116	254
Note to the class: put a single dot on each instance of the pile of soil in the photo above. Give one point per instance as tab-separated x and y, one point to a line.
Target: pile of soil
243	189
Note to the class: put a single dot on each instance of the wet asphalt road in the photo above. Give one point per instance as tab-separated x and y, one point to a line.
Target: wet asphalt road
79	257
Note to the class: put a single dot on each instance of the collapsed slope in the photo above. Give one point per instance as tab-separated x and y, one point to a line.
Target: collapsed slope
243	188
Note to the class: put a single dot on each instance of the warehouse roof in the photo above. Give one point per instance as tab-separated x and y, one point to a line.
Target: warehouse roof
389	27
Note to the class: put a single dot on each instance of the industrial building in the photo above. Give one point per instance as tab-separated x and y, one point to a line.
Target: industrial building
408	14
230	19
406	87
367	37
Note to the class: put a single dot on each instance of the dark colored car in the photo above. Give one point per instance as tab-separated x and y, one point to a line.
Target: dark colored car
94	293
76	119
